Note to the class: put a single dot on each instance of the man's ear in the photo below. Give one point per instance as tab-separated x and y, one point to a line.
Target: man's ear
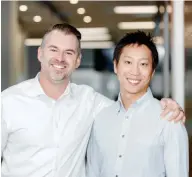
78	62
39	53
115	66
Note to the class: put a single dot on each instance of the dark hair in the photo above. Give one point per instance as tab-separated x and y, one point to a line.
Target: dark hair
139	38
66	28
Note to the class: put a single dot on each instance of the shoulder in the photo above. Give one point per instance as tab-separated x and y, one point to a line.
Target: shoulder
111	109
87	92
16	90
151	109
82	89
155	105
169	126
154	109
174	129
106	113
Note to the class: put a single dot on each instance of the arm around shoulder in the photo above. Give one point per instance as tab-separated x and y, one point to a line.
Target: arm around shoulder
101	102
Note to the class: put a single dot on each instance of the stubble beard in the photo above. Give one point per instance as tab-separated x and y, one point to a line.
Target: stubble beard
58	78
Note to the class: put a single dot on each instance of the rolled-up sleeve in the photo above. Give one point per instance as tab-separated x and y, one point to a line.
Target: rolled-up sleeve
176	150
94	159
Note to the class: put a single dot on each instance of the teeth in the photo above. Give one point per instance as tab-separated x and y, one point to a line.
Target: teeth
133	81
58	66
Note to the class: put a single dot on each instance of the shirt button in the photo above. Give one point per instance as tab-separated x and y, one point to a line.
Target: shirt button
120	156
127	117
123	136
116	175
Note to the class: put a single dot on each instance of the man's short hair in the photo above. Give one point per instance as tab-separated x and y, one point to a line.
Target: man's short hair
138	38
65	28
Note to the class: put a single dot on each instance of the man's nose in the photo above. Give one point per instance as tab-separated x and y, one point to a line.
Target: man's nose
61	56
135	69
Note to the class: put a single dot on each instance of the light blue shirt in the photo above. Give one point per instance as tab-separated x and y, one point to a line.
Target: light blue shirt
137	142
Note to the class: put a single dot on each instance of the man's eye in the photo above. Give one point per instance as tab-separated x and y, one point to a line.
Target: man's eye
127	62
53	50
69	53
144	64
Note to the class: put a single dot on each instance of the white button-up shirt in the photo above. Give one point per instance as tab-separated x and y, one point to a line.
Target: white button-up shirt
137	142
42	137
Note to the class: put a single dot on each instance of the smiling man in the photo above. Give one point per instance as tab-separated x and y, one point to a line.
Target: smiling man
47	120
129	139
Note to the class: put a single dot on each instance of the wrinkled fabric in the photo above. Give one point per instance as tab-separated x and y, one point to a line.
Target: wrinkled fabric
42	137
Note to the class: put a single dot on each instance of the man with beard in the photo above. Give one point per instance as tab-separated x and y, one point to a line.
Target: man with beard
46	121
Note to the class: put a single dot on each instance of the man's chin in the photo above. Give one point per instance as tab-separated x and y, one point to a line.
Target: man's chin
58	80
133	91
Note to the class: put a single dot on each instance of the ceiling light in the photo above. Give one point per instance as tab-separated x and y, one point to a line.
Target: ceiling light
23	8
37	18
162	9
169	9
136	9
136	25
97	45
87	19
73	1
33	41
93	31
99	37
85	41
81	11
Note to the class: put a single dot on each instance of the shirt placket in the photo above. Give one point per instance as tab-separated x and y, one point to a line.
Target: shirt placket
56	136
123	140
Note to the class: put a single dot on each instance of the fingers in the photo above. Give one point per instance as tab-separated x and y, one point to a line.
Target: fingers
184	119
165	111
176	116
181	117
171	106
163	103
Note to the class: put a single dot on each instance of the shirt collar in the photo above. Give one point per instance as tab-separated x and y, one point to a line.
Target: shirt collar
137	103
36	90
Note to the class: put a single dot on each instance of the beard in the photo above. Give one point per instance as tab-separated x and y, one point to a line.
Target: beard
58	76
53	73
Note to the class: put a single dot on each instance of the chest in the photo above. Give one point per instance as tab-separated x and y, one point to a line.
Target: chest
44	122
134	133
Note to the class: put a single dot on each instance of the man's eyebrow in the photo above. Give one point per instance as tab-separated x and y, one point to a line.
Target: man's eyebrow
126	56
53	46
67	50
70	50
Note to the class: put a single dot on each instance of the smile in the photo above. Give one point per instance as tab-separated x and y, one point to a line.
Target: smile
59	66
132	81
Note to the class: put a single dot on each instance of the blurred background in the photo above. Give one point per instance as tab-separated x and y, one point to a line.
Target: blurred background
102	24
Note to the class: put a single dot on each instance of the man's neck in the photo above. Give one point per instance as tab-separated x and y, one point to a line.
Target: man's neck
128	99
53	90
